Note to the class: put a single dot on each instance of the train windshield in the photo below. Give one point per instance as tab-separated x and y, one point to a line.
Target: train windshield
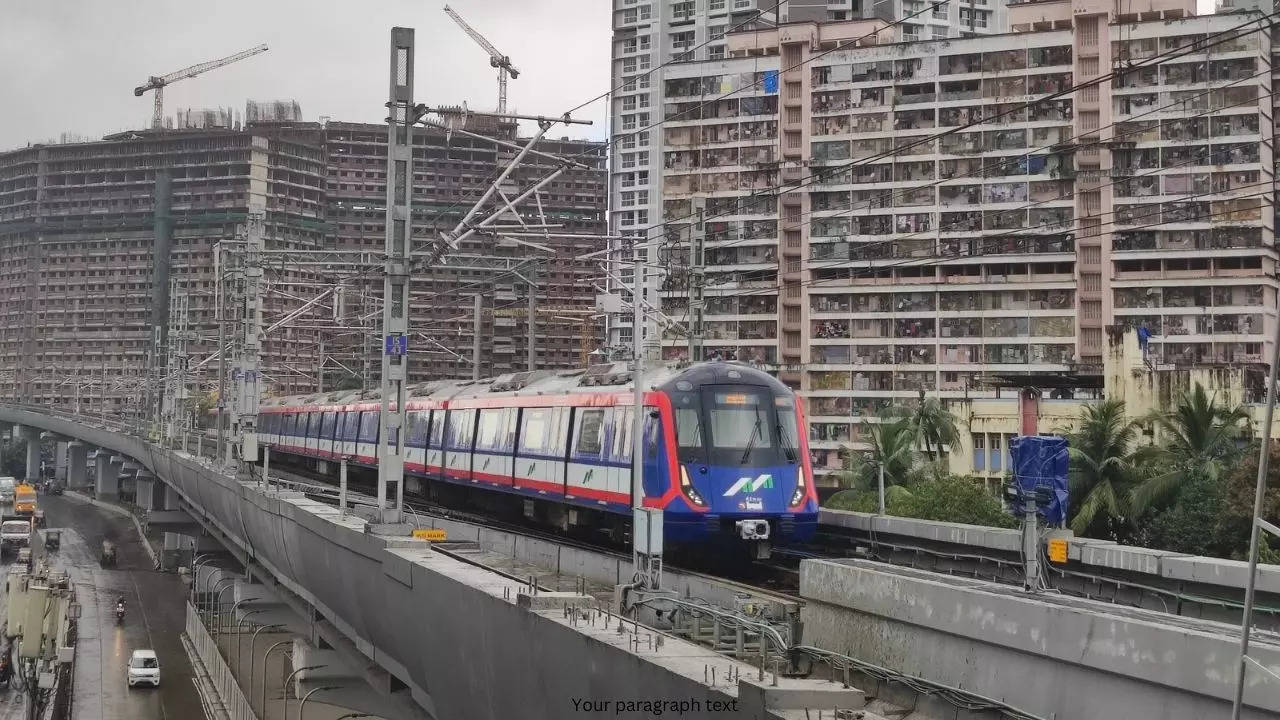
737	426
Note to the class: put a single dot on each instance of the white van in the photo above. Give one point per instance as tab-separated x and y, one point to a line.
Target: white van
7	486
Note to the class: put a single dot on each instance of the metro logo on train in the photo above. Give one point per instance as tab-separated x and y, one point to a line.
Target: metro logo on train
763	481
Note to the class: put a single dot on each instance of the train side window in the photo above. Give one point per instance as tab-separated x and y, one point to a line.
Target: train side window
350	423
461	429
652	431
313	425
369	426
327	425
489	429
418	421
293	424
590	432
535	436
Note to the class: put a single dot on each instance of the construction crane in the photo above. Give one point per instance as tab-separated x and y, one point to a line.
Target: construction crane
158	83
496	59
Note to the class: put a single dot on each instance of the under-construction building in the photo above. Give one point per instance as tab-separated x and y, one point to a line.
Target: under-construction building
92	234
450	173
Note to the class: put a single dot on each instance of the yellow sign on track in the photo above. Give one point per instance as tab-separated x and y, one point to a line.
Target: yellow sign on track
1058	550
432	535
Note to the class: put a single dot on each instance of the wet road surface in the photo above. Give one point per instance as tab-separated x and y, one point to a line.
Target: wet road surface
155	618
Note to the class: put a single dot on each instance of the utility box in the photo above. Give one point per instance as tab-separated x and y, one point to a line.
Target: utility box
32	627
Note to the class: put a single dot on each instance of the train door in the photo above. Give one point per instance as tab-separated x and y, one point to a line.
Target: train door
367	438
435	445
620	455
655	481
539	462
459	433
586	476
313	433
415	445
492	459
327	427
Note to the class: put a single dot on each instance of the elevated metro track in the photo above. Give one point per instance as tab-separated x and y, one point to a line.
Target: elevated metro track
462	641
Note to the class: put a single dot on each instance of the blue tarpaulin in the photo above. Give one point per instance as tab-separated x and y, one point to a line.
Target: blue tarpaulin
1041	461
771	81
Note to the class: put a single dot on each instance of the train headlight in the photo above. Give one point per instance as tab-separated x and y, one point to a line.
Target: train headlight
798	496
686	487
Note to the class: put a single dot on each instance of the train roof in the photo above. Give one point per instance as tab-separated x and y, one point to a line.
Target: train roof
605	377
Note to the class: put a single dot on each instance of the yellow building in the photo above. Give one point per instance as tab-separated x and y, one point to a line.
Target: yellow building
1052	404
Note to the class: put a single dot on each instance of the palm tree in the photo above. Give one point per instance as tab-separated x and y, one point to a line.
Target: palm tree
893	445
935	425
1102	463
1200	440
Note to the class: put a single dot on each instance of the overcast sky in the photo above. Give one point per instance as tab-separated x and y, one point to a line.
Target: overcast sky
71	65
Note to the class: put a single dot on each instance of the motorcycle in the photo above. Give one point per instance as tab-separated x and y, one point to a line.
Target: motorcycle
119	613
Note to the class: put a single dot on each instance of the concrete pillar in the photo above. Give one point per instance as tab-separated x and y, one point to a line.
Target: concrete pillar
76	461
170	498
107	484
144	484
60	461
32	436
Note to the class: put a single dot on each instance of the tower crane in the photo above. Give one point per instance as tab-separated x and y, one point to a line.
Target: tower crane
496	59
158	83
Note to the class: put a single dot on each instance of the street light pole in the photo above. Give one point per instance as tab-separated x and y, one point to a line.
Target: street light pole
313	691
262	706
239	624
253	659
284	695
880	485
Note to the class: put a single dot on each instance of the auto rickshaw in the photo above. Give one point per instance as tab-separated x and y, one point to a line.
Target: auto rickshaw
52	539
108	557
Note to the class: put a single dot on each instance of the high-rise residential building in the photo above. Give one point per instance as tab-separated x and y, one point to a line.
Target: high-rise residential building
87	240
652	38
885	220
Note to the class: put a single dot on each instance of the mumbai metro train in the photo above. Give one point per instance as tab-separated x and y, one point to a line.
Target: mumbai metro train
726	456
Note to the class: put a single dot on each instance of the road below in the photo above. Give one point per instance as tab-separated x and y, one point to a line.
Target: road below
155	619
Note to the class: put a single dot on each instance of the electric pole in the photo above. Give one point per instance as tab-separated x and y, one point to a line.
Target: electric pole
395	284
697	280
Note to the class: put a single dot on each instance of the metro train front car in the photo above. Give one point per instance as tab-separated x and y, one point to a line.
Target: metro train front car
742	460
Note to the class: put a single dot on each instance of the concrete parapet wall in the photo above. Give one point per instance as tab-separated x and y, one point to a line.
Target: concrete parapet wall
1183	584
1047	654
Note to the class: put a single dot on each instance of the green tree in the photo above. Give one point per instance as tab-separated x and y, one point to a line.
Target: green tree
935	425
944	497
13	459
953	498
1102	468
894	443
1200	436
1236	518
